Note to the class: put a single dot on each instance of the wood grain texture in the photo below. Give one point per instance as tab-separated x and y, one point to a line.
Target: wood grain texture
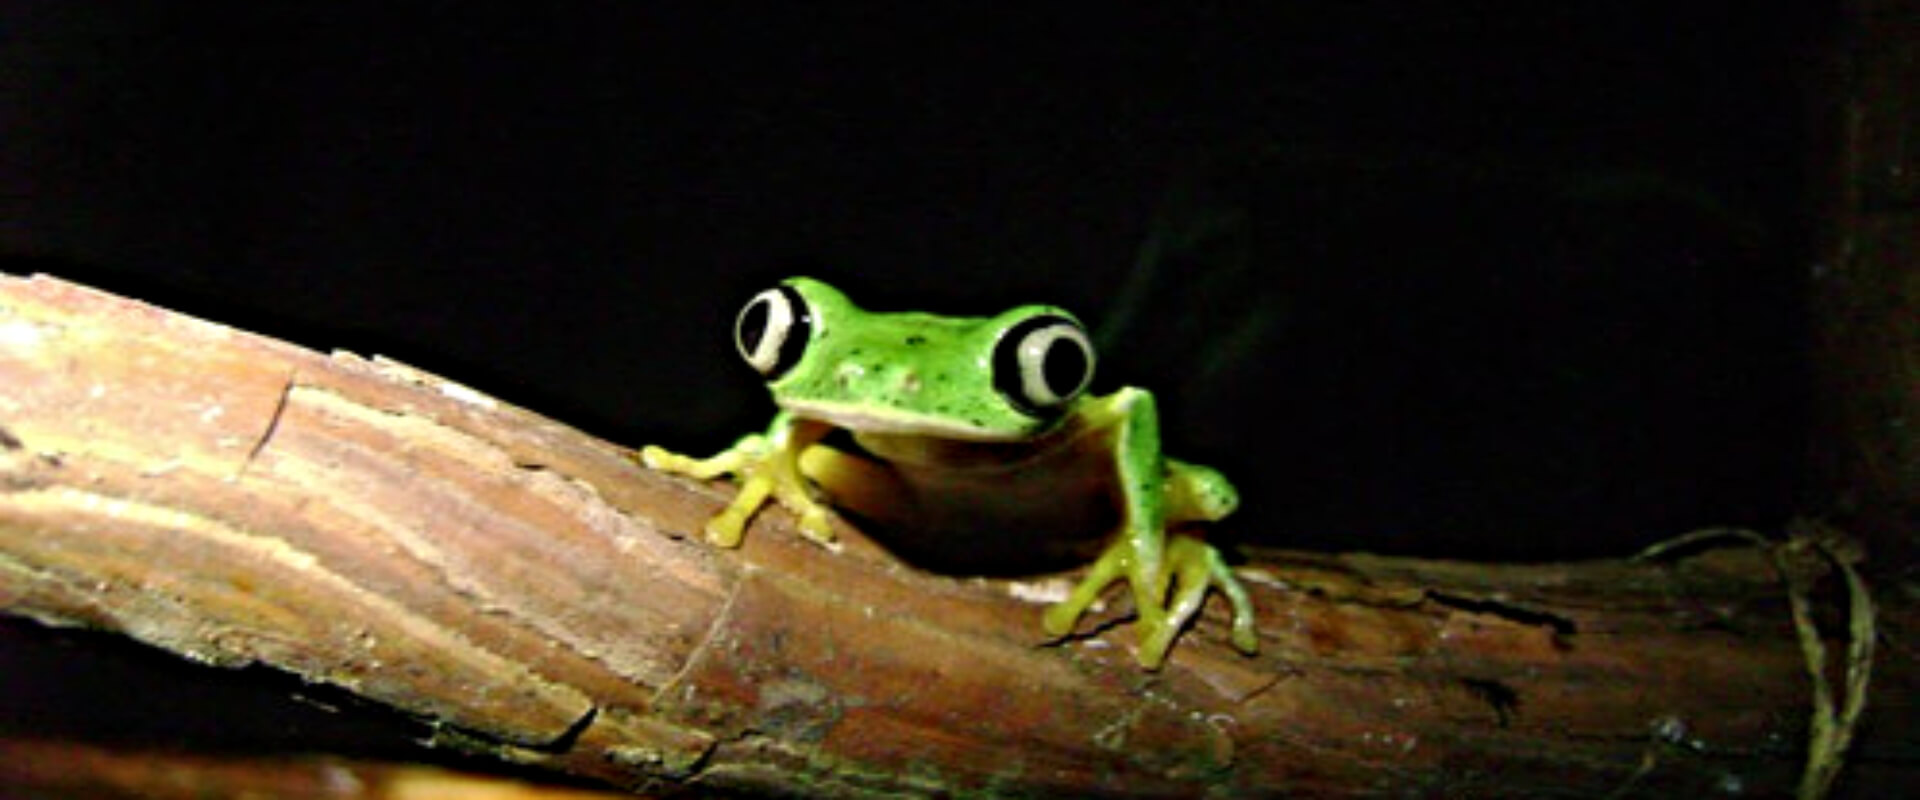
364	524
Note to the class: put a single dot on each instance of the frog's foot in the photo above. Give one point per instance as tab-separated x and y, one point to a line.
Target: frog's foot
1193	566
764	473
1196	567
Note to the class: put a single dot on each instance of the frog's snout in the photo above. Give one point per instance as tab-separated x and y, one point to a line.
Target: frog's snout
902	383
892	381
848	375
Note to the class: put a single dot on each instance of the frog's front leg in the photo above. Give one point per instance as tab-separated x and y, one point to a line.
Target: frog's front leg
1155	492
768	465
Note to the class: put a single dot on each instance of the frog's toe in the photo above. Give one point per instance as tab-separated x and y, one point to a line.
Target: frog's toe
1156	638
815	524
660	458
1245	639
1157	631
1060	619
725	529
810	515
727	462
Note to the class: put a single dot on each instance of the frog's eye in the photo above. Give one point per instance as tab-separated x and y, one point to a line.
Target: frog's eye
773	330
1042	363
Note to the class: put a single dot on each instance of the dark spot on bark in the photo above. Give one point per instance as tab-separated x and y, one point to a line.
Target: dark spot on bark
1501	697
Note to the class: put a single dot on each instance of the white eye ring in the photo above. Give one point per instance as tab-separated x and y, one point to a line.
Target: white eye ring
1043	363
772	330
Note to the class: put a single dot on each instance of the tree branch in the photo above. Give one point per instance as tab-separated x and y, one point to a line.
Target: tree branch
360	523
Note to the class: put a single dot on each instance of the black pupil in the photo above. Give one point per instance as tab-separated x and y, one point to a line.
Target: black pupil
1039	384
1063	366
753	326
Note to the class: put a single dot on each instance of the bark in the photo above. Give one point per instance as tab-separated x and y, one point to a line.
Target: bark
363	524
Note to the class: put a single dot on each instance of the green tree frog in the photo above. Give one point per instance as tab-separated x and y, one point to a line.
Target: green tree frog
968	424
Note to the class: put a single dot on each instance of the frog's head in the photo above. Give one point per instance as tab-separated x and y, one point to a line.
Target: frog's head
1000	378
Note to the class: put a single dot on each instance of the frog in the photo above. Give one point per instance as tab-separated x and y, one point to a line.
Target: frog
962	424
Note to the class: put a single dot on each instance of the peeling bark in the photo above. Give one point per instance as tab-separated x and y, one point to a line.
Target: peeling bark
364	524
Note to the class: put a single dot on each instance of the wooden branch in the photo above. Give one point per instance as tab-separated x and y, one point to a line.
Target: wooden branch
361	523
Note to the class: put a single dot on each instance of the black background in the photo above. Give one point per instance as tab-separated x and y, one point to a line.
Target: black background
1468	279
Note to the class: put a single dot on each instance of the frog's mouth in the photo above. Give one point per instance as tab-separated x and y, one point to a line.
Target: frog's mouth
866	420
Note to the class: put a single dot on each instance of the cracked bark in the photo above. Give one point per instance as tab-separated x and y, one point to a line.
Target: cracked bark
363	524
